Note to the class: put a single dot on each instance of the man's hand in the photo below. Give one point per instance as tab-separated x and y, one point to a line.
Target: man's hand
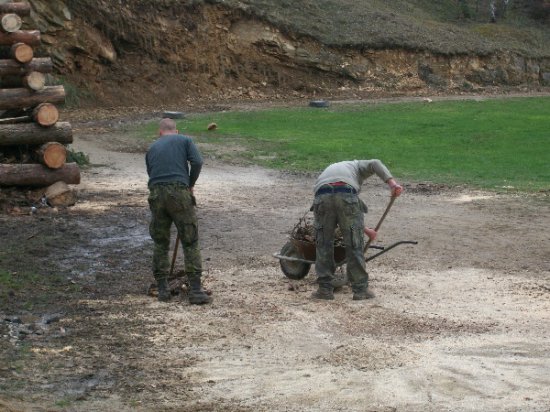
396	189
371	233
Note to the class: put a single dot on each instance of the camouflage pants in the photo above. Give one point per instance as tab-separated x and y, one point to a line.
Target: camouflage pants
173	203
347	211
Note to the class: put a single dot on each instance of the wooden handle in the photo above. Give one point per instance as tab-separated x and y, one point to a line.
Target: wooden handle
392	199
174	255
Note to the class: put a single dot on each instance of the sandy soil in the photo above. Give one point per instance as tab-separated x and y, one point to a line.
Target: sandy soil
460	322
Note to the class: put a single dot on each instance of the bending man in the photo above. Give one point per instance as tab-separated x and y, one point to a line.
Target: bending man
337	203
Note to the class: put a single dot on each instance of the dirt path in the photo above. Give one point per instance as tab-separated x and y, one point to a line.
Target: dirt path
461	321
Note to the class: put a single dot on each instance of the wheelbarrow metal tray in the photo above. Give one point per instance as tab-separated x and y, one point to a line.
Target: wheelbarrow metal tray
308	250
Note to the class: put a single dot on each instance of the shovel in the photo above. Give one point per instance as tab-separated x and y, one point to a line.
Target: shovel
174	256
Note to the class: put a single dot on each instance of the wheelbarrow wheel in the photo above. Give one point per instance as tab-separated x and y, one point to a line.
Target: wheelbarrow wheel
292	269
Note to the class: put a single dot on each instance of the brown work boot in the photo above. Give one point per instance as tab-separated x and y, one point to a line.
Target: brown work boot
363	294
163	290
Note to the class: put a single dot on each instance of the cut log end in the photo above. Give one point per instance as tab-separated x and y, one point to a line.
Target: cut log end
35	81
59	194
52	155
46	114
11	23
21	52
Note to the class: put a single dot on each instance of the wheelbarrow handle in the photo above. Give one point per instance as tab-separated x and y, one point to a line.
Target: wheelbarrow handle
390	247
392	199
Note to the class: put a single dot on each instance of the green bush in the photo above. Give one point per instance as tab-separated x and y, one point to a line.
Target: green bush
81	158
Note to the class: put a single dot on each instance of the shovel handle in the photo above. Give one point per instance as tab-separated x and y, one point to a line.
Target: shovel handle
392	199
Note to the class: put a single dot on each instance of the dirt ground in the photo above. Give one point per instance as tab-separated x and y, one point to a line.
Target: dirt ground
460	322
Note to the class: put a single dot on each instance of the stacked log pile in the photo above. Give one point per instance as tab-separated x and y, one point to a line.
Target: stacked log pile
32	139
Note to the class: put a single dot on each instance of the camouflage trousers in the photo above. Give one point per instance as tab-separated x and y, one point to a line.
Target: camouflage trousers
173	203
347	211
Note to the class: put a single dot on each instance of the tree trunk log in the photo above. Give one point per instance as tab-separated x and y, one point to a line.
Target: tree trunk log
21	98
33	174
35	81
33	134
21	52
30	37
52	155
11	22
42	65
12	81
45	114
12	120
21	9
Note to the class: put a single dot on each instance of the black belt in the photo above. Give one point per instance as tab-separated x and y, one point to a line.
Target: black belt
335	189
170	184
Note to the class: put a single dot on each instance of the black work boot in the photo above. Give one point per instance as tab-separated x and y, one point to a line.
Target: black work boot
197	296
324	292
362	294
164	290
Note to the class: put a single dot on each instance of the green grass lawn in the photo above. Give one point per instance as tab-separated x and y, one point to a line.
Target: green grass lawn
495	144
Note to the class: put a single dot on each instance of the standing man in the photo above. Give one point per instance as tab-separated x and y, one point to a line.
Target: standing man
173	165
337	203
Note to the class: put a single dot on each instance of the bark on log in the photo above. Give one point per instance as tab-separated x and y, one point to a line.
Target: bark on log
22	52
21	9
20	98
45	114
35	81
33	174
11	22
59	194
33	134
52	155
12	81
42	65
12	120
30	37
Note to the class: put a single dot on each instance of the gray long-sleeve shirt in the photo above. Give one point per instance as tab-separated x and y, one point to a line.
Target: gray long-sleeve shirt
173	158
352	172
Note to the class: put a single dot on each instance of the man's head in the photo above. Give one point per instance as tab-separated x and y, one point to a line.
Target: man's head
167	126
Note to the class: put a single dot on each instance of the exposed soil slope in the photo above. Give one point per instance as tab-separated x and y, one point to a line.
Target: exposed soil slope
144	52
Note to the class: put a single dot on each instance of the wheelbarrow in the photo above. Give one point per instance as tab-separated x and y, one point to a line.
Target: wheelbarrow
297	256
